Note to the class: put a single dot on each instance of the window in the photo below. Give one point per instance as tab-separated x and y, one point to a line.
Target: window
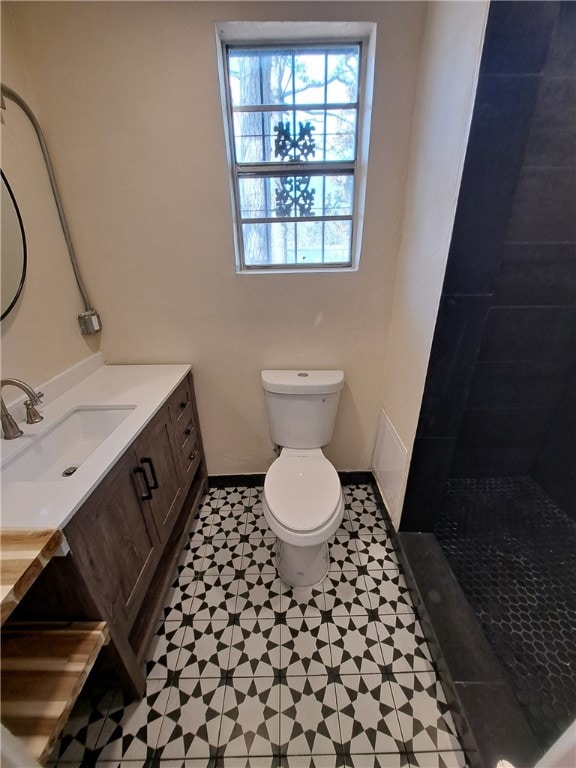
294	127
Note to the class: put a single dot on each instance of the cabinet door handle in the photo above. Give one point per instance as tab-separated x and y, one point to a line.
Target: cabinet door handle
141	471
154	484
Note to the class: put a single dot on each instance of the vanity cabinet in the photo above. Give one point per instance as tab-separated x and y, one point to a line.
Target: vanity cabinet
126	539
157	473
114	544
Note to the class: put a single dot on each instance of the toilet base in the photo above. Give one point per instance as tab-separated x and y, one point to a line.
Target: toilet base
302	566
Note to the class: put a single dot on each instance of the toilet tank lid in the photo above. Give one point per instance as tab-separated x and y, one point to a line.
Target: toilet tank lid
303	382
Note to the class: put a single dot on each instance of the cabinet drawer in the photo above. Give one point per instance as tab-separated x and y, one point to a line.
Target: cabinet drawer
191	456
186	432
181	405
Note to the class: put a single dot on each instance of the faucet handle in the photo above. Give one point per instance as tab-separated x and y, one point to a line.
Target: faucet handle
32	415
37	399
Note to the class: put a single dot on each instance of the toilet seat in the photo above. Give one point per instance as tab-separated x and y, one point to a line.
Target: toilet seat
302	490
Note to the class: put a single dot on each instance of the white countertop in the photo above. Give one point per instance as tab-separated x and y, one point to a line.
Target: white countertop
51	504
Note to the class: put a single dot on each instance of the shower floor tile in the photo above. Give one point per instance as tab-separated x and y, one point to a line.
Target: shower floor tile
246	672
513	551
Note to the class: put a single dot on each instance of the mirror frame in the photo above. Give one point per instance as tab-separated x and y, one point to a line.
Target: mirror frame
24	248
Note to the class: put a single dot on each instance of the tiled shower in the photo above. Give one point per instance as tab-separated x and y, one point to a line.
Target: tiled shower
493	472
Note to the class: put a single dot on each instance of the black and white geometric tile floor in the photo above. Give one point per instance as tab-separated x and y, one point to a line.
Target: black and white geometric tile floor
246	672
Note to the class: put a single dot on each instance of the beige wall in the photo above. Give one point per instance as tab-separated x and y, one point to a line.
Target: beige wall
40	336
127	94
448	74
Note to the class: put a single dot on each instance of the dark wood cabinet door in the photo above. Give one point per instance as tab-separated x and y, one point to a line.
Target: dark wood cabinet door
157	455
115	547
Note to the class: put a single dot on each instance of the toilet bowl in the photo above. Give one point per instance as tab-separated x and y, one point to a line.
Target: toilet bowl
302	501
303	505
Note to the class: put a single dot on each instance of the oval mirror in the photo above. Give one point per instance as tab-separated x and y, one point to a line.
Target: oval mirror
13	254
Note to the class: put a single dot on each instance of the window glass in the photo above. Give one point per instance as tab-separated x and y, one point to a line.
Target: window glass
294	120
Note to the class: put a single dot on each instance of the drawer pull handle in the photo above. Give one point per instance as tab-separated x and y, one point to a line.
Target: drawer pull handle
193	455
184	404
148	494
148	462
188	431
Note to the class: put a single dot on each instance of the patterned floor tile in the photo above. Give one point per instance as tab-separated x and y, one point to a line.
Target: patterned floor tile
305	648
245	495
190	562
368	716
83	728
227	521
191	762
132	728
198	527
205	650
212	500
343	552
313	761
179	600
361	493
257	761
424	715
455	759
165	649
403	644
388	592
375	553
355	645
222	556
309	721
214	598
259	595
255	648
246	672
388	760
346	594
256	524
250	717
365	520
303	602
191	724
259	555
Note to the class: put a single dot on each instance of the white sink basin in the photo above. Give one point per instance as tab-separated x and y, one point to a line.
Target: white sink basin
58	452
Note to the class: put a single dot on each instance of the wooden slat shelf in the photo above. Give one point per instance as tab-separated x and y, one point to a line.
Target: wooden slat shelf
24	554
44	667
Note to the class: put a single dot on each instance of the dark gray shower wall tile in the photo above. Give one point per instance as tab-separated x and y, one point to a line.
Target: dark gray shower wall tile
517	37
515	385
537	275
507	461
555	465
502	115
498	443
539	334
504	427
544	209
457	338
561	60
431	460
552	138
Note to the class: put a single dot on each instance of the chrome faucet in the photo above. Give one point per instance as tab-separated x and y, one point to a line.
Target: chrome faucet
10	429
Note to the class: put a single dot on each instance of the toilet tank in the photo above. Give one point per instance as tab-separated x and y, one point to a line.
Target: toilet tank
302	406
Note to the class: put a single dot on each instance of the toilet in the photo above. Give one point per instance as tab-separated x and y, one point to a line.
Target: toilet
302	501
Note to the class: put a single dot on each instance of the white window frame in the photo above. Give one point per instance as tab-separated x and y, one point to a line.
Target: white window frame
271	33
